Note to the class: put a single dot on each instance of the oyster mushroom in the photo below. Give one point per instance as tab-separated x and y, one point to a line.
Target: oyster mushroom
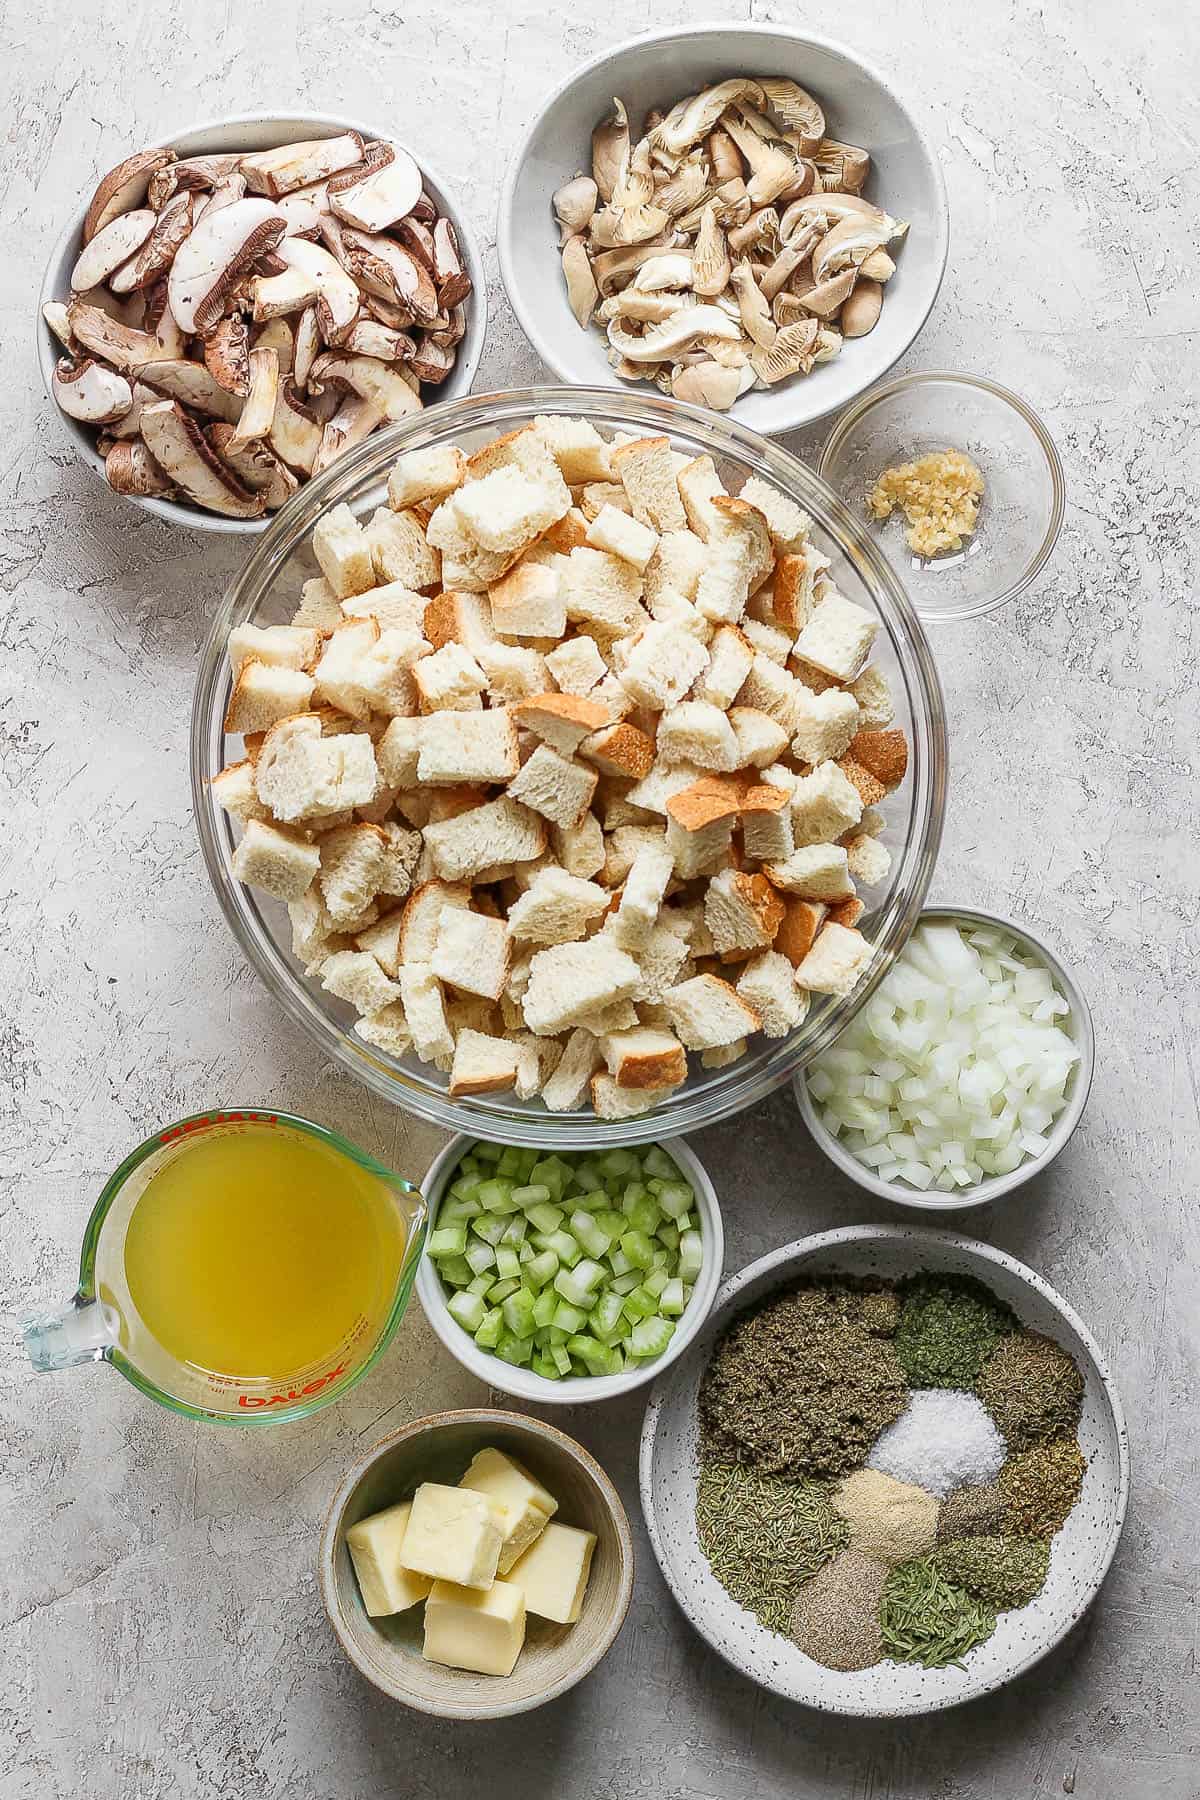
122	189
831	209
258	408
179	448
828	345
226	354
612	268
694	117
335	293
707	384
796	111
860	312
790	258
710	257
760	229
724	157
255	467
157	253
825	298
672	269
848	245
370	379
129	468
787	355
878	266
387	189
209	261
104	253
684	189
574	204
610	152
90	391
771	168
755	313
582	292
843	167
292	166
662	342
191	384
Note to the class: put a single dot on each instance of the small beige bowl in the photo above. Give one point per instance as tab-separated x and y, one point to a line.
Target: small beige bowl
388	1651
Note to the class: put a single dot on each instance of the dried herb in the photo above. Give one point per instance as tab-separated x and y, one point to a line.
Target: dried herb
798	1386
976	1511
764	1538
928	1620
836	1616
1001	1571
1032	1388
948	1327
1040	1486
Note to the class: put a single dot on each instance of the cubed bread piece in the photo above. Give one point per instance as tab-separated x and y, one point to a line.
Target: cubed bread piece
537	1059
300	774
621	750
697	732
594	496
500	832
660	956
644	1058
467	746
662	665
508	509
482	1065
400	550
622	535
673	609
356	977
824	805
425	475
279	862
654	791
847	912
698	485
721	1056
568	981
706	800
576	446
233	788
425	1011
768	984
567	1087
556	908
767	834
513	671
838	637
742	912
802	919
579	848
471	952
772	690
814	872
393	606
701	852
760	738
601	590
528	602
643	894
814	679
281	646
422	917
341	548
625	844
449	680
398	752
706	1012
382	941
731	657
768	641
647	472
825	724
868	787
561	720
883	754
791	591
558	789
867	860
336	676
875	705
455	617
264	692
577	665
465	563
352	859
675	569
319	609
498	453
788	525
836	962
613	694
387	1030
609	1101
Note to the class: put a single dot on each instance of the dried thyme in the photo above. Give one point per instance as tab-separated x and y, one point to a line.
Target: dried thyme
763	1537
928	1620
1032	1389
948	1327
1001	1571
1040	1486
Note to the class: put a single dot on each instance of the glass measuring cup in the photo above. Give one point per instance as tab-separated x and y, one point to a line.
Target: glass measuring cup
103	1321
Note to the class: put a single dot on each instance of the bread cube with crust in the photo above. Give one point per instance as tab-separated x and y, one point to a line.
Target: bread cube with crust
506	510
559	789
814	872
698	485
392	606
836	962
387	1030
567	1088
421	475
513	672
868	787
556	908
319	608
482	1065
343	552
561	720
449	680
742	912
467	747
356	977
760	738
579	848
661	956
838	637
788	524
620	750
233	788
824	805
644	1058
282	646
740	558
569	981
398	752
425	1011
537	1059
576	665
302	775
264	692
707	1012
502	831
624	845
646	470
400	550
422	916
825	724
528	602
802	919
701	852
352	861
457	617
380	679
278	861
791	591
471	951
772	690
643	894
868	860
382	941
768	640
336	676
576	446
661	666
609	1101
767	836
884	754
768	983
876	707
594	496
622	535
675	568
695	731
731	657
601	590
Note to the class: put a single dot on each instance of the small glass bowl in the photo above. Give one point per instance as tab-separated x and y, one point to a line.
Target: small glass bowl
1024	495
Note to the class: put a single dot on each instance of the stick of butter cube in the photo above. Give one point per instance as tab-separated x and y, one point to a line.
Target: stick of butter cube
553	1573
376	1549
527	1504
467	1629
454	1534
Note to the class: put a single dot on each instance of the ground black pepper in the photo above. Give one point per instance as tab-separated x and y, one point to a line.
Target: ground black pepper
976	1511
836	1616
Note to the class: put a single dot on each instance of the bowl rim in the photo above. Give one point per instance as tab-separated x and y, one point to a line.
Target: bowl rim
49	350
928	767
574	1390
993	1187
864	405
802	1250
484	1416
804	415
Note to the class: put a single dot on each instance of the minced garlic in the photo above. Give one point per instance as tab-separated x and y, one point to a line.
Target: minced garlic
939	495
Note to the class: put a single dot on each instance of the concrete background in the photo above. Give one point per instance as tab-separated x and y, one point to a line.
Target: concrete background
159	1620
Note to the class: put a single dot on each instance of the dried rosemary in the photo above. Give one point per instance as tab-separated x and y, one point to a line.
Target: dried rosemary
948	1327
1032	1389
927	1620
763	1537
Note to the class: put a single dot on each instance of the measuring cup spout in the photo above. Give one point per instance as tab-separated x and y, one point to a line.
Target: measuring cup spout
79	1333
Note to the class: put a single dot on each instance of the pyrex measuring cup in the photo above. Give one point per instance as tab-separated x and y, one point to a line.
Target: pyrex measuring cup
103	1322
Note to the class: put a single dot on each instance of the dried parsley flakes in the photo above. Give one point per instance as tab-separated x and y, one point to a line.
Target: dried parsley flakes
949	1325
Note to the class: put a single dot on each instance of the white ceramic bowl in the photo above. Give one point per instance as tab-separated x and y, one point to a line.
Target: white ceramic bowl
1083	1549
1078	1024
255	131
657	70
575	1388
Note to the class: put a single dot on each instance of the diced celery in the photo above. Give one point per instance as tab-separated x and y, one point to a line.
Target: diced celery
625	1284
518	1313
500	1290
656	1281
544	1308
618	1162
656	1162
557	1334
485	1152
510	1161
508	1263
548	1173
514	1350
541	1269
448	1240
543	1364
611	1221
489	1228
638	1249
591	1234
633	1195
496	1196
668	1234
454	1270
644	1215
453	1212
569	1318
488	1334
675	1198
662	1259
600	1359
480	1256
468	1310
587	1176
593	1200
527	1197
562	1244
466	1188
685	1222
561	1357
526	1254
605	1318
618	1262
479	1284
650	1337
544	1217
640	1304
671	1301
578	1285
514	1231
691	1256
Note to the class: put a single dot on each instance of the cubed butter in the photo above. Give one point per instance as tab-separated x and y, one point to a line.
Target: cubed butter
527	1504
467	1629
553	1573
375	1547
454	1534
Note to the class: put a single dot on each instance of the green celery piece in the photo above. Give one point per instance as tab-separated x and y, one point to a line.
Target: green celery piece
586	1176
447	1240
569	1318
500	1290
625	1284
557	1334
466	1188
508	1263
479	1284
541	1269
598	1358
686	1222
691	1256
510	1162
662	1259
671	1301
656	1281
526	1254
488	1334
514	1350
668	1234
618	1162
544	1217
497	1196
675	1198
578	1285
604	1320
467	1310
640	1305
644	1215
537	1195
592	1235
544	1308
490	1229
638	1249
544	1365
485	1152
619	1263
455	1212
594	1201
563	1245
548	1173
656	1162
633	1195
612	1221
561	1357
514	1231
455	1270
650	1337
518	1313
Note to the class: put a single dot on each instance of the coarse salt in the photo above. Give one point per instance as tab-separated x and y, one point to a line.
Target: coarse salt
942	1440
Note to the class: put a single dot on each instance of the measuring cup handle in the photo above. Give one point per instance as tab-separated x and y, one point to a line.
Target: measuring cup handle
81	1332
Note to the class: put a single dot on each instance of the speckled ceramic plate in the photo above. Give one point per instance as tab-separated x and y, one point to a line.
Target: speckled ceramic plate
1082	1551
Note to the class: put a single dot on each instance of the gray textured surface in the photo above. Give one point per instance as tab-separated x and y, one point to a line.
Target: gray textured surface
160	1624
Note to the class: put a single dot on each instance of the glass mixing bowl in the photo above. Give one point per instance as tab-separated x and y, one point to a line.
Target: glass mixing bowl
267	591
